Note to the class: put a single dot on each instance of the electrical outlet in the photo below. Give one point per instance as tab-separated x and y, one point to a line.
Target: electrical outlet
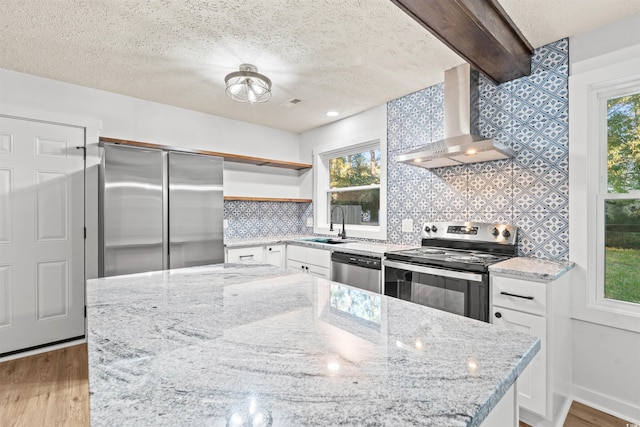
407	225
310	222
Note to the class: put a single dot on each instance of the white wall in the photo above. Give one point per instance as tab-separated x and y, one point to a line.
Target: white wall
135	119
348	130
606	369
118	116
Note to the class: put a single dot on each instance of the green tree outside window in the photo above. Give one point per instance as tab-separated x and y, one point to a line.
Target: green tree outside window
622	215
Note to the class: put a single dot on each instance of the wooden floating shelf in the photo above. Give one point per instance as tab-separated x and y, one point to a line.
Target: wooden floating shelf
265	199
236	158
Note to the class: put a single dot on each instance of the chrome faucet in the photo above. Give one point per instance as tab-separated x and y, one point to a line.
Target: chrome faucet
343	233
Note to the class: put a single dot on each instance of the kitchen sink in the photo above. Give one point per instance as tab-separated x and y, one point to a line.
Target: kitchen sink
327	240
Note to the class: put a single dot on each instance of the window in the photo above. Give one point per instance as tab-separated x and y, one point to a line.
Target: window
621	198
354	186
350	182
604	190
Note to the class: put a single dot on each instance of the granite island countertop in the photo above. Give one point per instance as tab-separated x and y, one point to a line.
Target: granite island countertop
204	345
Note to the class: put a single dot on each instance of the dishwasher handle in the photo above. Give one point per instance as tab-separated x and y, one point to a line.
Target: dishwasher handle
363	261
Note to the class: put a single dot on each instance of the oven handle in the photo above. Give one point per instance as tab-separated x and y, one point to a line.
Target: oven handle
435	271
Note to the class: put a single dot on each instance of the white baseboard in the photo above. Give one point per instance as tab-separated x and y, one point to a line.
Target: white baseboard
616	407
42	350
561	405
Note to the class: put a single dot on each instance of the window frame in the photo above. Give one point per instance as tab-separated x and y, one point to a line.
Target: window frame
603	93
321	157
588	150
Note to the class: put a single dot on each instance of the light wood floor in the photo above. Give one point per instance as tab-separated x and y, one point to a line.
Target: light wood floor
585	416
52	389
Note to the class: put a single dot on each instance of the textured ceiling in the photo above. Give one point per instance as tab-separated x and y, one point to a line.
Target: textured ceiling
339	55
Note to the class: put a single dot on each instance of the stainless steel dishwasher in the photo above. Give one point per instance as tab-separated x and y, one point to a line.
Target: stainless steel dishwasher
360	271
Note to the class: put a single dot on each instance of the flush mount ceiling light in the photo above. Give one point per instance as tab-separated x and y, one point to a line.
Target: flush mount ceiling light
247	85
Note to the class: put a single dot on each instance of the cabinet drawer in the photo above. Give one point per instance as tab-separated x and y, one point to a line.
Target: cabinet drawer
245	254
319	257
297	253
322	272
519	294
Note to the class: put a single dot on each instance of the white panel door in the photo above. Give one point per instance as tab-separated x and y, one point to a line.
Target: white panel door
41	234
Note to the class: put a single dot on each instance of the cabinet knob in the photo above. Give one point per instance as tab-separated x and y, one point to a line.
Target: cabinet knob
270	249
498	314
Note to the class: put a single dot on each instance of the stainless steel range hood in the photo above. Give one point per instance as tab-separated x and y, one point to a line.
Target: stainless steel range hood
461	144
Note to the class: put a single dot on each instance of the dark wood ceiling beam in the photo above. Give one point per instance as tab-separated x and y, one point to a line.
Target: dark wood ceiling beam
479	31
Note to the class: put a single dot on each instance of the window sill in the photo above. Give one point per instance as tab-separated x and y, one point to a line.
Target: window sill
363	232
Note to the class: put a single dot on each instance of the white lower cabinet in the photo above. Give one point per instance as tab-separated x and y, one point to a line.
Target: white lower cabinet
276	255
316	262
532	384
542	309
271	254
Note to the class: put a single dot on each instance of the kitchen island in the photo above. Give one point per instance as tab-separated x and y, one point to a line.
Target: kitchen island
221	344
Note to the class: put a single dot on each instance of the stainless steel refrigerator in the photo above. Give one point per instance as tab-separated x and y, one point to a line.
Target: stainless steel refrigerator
159	210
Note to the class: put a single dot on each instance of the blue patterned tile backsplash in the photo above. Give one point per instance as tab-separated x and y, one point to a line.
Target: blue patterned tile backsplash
248	219
530	115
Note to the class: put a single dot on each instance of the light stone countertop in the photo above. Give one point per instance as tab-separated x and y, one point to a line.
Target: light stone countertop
194	346
356	247
532	267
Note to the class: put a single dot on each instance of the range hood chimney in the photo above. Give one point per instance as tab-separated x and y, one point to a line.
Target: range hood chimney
461	144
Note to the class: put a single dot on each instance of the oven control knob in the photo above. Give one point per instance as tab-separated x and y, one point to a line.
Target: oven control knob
506	234
434	228
427	228
495	232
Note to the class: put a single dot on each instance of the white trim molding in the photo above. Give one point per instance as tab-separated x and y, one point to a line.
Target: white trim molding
624	410
585	181
321	175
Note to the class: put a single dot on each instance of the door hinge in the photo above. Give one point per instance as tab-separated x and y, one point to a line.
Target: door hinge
85	232
85	311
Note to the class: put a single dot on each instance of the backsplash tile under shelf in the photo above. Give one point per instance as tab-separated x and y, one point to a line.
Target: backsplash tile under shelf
250	219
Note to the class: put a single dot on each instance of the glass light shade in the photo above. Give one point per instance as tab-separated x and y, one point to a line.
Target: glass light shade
247	85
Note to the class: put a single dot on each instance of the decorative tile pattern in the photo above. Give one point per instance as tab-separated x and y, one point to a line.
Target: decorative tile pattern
264	219
414	120
531	191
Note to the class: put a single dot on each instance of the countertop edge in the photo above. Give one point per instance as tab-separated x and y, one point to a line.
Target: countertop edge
365	248
534	268
484	410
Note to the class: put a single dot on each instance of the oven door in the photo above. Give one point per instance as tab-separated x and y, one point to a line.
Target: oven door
459	292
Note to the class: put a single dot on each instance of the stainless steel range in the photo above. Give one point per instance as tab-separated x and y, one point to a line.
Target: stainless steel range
451	270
